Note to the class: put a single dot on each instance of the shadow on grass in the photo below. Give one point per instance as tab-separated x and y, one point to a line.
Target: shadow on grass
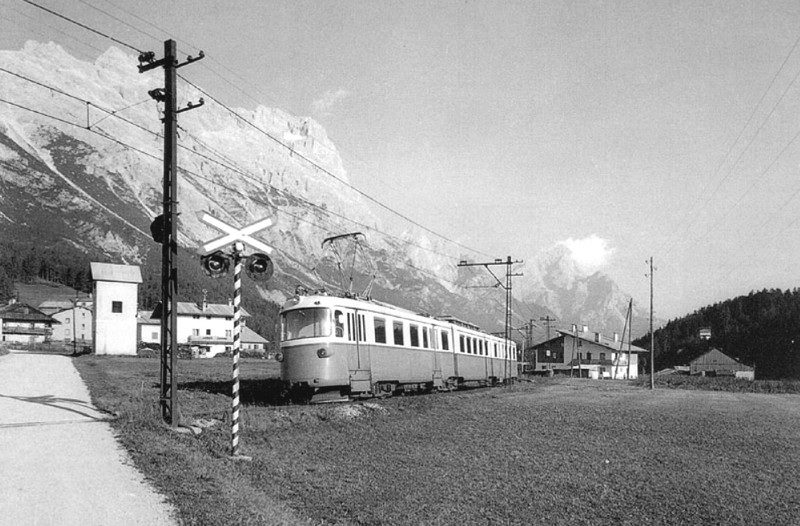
270	391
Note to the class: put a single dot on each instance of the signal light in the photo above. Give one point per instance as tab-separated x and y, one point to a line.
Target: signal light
259	267
215	265
157	229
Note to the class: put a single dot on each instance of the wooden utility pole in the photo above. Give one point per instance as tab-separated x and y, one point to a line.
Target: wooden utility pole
507	288
165	227
652	337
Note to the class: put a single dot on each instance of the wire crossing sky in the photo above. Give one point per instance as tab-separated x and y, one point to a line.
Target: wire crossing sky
621	130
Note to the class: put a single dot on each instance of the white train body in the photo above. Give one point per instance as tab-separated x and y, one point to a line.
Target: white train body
363	348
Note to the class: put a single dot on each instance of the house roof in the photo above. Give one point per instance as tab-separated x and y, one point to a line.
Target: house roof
251	336
219	310
590	338
24	312
143	317
716	357
70	309
116	273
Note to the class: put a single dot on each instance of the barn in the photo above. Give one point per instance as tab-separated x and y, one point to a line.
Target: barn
717	363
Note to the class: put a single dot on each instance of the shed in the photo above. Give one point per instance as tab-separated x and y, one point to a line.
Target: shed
116	294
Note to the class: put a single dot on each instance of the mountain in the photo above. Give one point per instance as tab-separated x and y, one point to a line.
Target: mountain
576	297
81	150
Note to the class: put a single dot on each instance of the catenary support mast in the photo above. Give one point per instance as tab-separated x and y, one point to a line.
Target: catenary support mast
507	286
165	227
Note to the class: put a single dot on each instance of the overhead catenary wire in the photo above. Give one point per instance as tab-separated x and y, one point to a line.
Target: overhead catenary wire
229	164
230	188
325	170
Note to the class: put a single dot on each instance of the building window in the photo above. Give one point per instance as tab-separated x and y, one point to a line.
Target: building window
116	307
380	330
228	333
602	356
67	320
589	356
208	332
195	332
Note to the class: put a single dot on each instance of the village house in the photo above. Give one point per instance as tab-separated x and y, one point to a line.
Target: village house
51	307
75	326
22	323
589	355
717	363
206	327
116	294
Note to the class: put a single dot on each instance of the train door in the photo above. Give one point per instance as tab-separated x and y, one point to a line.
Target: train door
429	334
490	350
360	372
457	348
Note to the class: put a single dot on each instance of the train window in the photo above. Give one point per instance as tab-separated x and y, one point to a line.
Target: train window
362	328
469	345
380	330
414	333
306	323
445	341
338	318
397	329
425	337
461	346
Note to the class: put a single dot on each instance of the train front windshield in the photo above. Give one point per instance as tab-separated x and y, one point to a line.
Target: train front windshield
305	323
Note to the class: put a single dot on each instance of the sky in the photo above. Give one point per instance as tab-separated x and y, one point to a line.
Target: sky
622	130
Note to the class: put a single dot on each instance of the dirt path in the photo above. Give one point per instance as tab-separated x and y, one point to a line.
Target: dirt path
59	461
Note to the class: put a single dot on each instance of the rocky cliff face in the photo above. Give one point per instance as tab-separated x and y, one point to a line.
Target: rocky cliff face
81	160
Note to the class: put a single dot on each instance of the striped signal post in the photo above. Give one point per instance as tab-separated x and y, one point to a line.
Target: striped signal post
237	236
238	248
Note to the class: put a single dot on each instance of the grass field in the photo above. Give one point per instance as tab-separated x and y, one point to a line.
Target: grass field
552	451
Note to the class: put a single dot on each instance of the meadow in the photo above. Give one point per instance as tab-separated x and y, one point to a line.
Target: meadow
547	451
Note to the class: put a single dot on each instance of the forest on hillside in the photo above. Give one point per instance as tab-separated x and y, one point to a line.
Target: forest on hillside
67	265
761	329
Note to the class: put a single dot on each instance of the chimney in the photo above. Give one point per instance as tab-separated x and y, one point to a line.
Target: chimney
230	302
585	328
597	337
204	304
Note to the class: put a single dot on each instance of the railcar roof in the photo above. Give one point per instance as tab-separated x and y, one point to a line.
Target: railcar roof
329	301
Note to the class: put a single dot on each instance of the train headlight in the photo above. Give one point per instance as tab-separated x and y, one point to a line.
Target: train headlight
323	352
279	357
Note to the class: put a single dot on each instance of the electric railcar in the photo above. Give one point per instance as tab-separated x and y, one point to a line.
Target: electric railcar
335	347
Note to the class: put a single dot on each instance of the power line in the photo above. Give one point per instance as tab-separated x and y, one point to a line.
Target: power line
231	166
276	140
741	133
84	26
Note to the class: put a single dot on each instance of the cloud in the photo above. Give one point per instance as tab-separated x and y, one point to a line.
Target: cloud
329	99
590	254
